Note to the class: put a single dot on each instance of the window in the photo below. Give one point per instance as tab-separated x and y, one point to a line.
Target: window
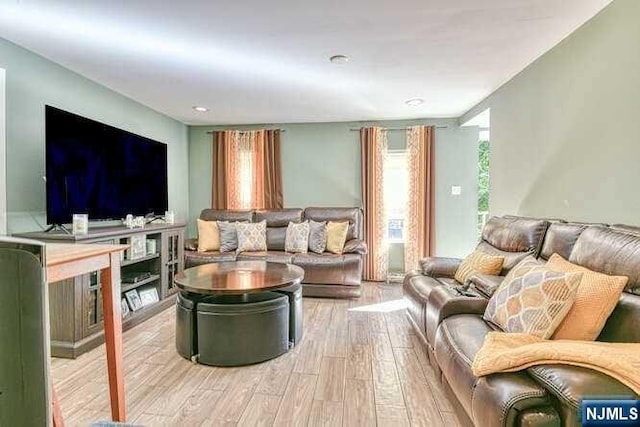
483	179
246	180
396	188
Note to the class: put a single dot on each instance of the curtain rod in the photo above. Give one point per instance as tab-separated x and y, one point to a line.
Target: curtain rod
210	132
358	129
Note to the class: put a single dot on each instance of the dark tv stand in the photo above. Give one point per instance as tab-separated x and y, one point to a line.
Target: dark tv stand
56	227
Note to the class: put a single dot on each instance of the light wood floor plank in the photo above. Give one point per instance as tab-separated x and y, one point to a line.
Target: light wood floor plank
420	405
295	405
409	369
197	409
154	420
169	404
310	356
336	342
261	411
381	347
386	384
330	384
359	407
359	362
394	416
325	414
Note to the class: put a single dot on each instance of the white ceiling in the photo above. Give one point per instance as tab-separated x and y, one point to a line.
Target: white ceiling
256	61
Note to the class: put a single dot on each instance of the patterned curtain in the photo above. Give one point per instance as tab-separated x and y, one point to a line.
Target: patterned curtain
420	211
247	170
373	143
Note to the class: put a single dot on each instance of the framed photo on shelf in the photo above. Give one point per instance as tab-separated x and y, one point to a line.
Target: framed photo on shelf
133	299
149	296
138	247
124	307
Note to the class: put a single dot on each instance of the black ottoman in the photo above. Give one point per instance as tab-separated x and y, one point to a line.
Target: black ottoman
294	293
235	330
186	325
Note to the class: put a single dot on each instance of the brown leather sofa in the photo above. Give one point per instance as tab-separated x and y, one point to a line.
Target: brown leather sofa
447	315
325	275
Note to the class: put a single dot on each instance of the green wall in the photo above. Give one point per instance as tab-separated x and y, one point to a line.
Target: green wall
33	82
321	167
564	132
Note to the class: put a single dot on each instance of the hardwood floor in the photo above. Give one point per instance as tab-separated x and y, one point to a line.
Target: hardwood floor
359	364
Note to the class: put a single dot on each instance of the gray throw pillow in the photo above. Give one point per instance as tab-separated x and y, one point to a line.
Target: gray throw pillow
228	236
317	236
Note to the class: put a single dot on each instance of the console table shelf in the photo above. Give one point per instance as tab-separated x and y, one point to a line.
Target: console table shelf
75	305
137	260
128	286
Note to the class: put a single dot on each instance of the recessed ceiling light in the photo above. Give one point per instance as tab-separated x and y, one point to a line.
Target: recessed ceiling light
414	102
200	109
339	59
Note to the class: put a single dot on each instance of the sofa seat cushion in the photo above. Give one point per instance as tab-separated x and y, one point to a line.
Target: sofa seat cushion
416	292
327	268
268	256
458	339
193	258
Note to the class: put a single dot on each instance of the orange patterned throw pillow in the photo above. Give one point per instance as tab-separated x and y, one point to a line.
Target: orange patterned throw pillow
597	296
478	263
532	299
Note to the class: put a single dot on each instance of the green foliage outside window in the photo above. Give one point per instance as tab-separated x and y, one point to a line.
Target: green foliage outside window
483	184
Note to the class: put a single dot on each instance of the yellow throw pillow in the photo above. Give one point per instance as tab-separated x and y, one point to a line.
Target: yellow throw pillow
208	236
479	263
336	236
597	296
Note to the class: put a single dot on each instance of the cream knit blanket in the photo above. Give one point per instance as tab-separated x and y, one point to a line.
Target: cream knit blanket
507	352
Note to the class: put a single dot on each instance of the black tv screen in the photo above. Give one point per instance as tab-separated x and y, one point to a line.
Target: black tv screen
102	171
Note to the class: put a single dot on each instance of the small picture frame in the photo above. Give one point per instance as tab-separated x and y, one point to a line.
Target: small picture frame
149	296
133	299
124	308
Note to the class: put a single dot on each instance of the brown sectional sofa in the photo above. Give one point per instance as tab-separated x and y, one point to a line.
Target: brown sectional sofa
447	315
325	275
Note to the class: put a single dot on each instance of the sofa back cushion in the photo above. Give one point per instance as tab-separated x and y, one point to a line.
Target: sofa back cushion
614	251
610	251
226	215
515	234
277	222
560	239
278	217
513	238
352	215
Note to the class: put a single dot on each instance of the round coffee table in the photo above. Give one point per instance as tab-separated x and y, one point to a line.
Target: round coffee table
238	313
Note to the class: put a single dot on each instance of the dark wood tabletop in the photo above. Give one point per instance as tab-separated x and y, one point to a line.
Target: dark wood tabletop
241	277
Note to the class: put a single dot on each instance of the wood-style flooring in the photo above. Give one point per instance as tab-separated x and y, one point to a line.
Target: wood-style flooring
359	364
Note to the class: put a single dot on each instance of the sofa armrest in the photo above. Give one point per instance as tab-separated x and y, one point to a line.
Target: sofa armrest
191	244
512	399
569	384
355	246
486	284
440	266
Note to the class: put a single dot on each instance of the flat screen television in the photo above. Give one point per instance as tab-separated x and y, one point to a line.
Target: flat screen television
102	171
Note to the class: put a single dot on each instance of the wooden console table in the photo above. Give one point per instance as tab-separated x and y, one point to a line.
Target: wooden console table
64	261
